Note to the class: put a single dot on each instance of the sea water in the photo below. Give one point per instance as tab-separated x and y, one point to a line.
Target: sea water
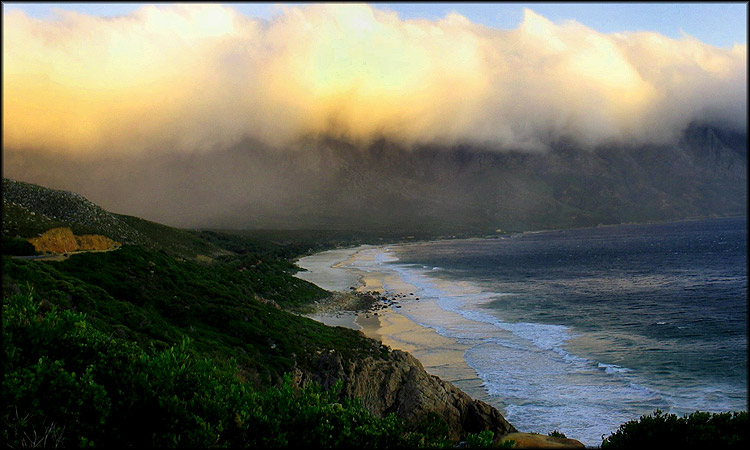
582	330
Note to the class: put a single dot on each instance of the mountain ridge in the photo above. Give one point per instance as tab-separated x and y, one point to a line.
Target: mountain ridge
480	189
324	182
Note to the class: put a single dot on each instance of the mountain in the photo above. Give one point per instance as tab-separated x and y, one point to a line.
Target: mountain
450	189
133	322
385	186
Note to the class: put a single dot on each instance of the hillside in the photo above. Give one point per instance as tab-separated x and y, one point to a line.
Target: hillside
29	210
234	309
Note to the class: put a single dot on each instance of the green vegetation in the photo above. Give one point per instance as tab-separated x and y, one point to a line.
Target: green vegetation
176	242
153	299
696	430
291	244
18	246
482	440
68	384
139	347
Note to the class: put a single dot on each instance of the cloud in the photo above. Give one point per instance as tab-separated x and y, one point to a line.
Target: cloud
193	78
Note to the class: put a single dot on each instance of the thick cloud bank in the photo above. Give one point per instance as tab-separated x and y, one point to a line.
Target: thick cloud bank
192	78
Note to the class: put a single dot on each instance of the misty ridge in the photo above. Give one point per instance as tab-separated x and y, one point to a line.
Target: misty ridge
346	116
332	183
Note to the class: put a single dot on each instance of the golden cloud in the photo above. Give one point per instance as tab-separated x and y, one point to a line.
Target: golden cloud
193	77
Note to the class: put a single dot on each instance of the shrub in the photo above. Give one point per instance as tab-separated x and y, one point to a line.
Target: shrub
51	387
68	384
480	440
17	247
697	430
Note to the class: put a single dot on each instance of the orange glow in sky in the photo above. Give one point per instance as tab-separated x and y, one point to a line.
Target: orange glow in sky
190	77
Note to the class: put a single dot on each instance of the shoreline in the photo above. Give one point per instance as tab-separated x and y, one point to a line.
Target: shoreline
543	374
382	320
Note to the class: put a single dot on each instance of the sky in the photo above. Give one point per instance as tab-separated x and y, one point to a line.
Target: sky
210	75
721	24
137	81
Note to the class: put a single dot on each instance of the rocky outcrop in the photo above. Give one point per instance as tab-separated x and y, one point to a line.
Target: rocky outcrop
533	440
69	208
62	240
399	384
95	242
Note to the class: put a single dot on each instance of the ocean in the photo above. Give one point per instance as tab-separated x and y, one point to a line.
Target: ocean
582	330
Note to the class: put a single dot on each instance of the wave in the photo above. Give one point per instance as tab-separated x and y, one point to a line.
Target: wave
527	369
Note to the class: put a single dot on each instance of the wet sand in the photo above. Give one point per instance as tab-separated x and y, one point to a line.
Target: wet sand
340	270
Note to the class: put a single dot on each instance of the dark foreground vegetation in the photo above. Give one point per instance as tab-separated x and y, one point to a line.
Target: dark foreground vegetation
696	430
69	384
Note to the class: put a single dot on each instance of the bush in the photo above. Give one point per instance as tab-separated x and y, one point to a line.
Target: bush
17	247
480	440
697	430
68	384
52	384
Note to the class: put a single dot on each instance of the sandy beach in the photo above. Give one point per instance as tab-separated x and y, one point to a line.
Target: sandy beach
355	270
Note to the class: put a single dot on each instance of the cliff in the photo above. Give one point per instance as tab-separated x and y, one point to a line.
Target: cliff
400	385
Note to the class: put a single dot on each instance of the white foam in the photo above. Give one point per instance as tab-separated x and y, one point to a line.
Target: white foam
384	256
612	368
526	368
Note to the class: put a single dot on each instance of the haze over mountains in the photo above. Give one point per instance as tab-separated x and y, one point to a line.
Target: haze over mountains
388	187
347	116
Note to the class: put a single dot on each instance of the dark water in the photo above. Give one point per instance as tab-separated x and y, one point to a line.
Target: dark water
609	323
